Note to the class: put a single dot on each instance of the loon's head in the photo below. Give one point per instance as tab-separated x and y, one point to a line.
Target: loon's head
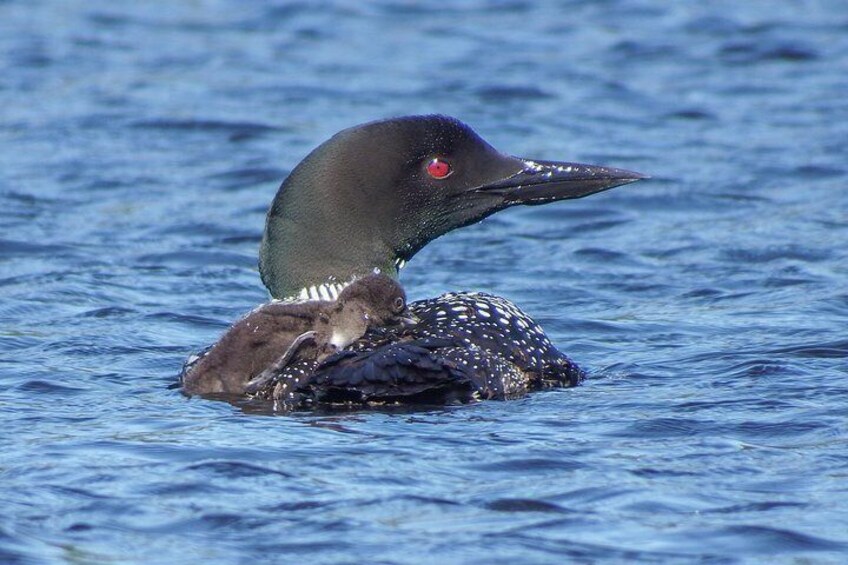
373	195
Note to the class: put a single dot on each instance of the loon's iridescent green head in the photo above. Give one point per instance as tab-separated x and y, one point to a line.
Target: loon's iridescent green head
373	195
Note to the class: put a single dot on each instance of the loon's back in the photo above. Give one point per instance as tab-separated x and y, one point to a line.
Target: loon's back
465	347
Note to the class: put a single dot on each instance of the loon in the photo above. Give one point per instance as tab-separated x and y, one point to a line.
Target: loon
369	199
261	344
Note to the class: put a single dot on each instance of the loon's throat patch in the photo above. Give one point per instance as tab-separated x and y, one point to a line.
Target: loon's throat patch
326	291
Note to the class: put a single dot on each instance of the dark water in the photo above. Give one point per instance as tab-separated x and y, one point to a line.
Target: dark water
140	144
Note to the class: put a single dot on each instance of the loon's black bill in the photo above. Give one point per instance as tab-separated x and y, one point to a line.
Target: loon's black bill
547	181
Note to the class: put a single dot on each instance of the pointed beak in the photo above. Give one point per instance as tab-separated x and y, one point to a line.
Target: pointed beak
408	319
540	182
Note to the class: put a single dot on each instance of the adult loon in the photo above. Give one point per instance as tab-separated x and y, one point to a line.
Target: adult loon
370	198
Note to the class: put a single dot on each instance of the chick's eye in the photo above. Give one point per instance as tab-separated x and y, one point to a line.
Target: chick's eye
399	304
439	168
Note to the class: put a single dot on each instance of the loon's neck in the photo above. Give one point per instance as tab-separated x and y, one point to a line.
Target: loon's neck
330	288
315	261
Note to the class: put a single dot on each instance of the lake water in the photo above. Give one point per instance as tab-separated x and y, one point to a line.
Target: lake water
141	144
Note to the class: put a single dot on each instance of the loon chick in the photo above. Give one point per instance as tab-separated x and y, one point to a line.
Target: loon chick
265	341
370	198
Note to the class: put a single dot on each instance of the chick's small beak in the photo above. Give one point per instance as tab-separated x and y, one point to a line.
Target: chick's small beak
408	319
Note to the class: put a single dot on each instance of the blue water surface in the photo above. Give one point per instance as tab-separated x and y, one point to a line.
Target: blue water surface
142	142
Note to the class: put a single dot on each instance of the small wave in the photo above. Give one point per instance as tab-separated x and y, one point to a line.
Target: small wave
10	247
47	387
246	178
760	52
205	126
512	93
199	258
524	505
826	350
236	469
764	540
235	131
531	465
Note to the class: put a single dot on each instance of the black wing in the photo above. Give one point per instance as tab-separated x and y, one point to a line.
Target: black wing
410	372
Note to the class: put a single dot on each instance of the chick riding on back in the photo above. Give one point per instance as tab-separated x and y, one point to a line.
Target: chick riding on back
262	343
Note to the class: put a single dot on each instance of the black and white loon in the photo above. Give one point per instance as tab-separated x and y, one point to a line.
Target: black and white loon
369	199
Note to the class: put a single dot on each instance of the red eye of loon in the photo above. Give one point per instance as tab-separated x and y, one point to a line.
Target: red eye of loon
439	169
